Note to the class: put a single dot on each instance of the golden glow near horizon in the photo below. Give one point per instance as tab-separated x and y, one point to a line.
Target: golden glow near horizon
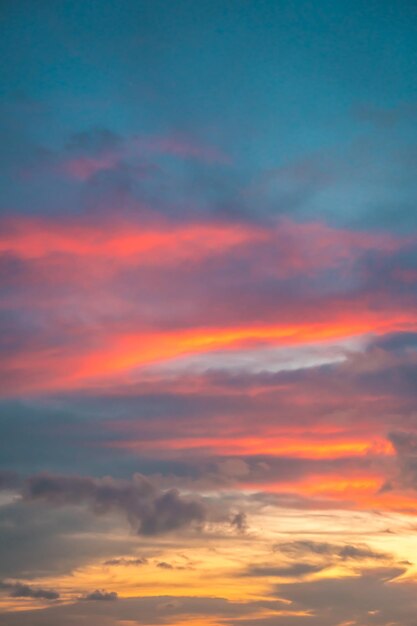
214	568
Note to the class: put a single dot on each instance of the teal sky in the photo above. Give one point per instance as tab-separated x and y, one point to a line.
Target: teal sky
271	84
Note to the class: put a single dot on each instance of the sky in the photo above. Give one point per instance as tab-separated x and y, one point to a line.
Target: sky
208	313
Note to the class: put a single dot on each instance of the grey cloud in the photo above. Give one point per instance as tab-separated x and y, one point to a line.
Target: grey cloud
149	510
147	610
8	480
355	598
239	521
22	590
287	571
371	599
48	541
405	445
126	562
101	596
400	342
343	552
355	552
386	117
94	141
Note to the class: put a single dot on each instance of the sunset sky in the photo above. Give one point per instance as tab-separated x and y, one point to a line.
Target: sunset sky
208	311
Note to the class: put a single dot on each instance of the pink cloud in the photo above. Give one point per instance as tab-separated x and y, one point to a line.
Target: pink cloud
83	168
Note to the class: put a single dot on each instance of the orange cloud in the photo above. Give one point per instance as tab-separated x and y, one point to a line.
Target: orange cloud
265	444
112	355
86	346
32	238
128	351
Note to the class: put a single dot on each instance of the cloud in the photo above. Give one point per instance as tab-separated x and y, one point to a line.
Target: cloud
387	117
201	437
38	540
93	142
8	480
149	510
89	153
146	291
22	590
156	610
342	552
287	571
405	446
239	521
126	562
101	596
371	599
357	598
